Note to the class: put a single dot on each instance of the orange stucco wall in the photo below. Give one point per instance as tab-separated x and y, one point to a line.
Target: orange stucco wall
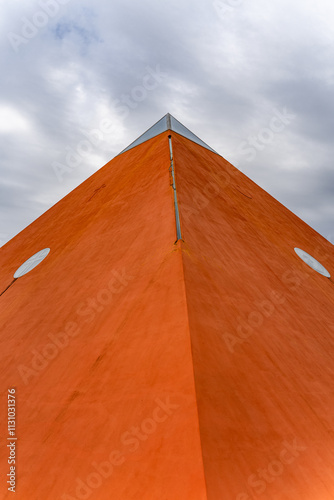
148	370
118	398
262	329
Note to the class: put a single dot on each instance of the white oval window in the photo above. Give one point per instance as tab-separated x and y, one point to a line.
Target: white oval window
31	263
310	261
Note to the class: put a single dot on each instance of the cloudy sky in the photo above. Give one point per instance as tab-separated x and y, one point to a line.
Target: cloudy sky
253	79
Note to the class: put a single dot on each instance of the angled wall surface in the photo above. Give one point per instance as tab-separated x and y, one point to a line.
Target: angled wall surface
147	368
121	389
262	330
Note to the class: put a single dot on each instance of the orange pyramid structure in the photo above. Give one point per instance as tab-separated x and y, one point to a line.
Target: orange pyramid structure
167	333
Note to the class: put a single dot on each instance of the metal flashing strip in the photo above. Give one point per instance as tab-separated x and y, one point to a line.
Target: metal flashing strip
176	206
168	121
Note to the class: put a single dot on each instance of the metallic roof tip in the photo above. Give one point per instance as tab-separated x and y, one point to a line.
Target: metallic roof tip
167	122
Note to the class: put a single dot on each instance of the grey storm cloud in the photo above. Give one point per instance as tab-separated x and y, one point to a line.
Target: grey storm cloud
224	69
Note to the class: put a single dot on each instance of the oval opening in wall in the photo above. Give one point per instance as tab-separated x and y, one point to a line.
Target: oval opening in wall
31	263
312	262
